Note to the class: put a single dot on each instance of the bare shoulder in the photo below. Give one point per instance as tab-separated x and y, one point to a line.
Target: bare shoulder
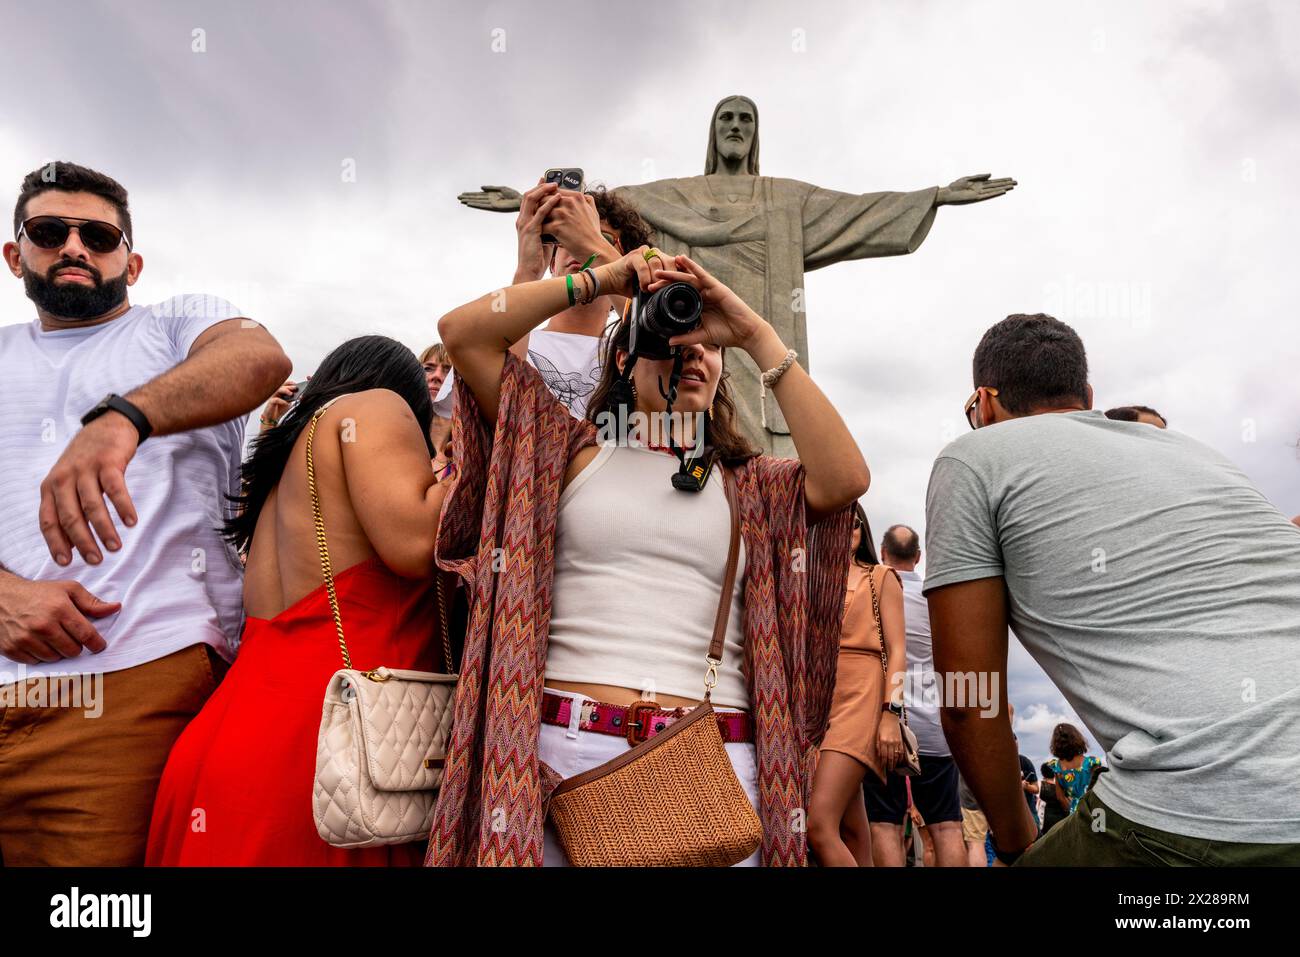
384	412
377	402
581	459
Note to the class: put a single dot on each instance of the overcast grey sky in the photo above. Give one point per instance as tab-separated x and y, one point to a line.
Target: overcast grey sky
1155	145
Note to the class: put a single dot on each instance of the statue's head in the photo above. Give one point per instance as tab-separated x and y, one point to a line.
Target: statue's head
733	134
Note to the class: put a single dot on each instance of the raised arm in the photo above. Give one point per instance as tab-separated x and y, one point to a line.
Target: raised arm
231	369
478	334
389	481
570	217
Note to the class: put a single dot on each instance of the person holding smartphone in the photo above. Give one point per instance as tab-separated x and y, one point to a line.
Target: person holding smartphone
590	227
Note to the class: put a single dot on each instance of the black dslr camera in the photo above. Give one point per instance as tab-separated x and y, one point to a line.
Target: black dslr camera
673	310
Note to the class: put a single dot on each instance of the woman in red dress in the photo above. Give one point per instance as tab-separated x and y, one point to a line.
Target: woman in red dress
237	789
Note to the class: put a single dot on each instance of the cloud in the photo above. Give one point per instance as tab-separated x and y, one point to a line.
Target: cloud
1039	719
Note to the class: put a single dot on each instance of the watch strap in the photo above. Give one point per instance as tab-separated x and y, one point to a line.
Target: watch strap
114	402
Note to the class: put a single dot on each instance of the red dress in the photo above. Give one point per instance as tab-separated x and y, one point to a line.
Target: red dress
237	789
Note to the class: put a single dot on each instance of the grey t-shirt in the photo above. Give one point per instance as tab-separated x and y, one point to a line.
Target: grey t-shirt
1159	590
919	688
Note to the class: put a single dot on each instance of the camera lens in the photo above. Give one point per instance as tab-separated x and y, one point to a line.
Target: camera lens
681	304
673	310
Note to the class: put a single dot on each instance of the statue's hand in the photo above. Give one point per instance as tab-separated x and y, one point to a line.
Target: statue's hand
973	189
498	199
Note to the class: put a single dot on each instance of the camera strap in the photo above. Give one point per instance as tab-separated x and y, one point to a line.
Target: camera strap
692	472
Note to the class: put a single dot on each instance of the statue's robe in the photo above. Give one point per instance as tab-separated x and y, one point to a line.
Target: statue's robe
759	235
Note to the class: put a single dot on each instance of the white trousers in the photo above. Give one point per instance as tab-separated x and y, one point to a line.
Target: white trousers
571	751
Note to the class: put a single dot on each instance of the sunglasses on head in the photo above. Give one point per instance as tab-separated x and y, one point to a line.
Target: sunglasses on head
51	232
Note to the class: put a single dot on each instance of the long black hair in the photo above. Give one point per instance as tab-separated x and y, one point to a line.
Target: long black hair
367	362
865	553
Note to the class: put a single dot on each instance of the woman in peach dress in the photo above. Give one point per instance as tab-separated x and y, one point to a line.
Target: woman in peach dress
863	735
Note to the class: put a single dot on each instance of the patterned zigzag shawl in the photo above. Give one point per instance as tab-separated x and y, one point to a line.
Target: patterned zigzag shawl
490	809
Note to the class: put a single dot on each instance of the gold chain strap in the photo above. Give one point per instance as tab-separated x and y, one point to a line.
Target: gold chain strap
325	568
438	580
880	630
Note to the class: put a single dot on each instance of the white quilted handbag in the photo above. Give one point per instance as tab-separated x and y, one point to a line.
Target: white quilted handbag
383	732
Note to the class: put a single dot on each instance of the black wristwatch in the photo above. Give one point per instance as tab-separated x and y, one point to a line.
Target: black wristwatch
895	709
115	403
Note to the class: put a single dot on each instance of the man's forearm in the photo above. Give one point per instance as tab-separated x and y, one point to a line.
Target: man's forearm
225	378
989	761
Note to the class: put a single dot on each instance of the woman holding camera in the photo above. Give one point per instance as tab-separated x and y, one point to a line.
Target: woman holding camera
595	581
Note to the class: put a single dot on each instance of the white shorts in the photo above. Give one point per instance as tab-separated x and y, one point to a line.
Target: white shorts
572	751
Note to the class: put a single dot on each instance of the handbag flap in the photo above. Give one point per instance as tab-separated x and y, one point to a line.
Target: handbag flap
405	723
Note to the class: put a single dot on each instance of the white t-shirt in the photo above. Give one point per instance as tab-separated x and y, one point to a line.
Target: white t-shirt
178	581
568	362
920	689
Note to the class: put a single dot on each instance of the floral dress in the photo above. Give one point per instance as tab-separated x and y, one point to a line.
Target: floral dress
1074	781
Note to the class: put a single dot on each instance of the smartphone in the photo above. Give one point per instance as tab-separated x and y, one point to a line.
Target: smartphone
568	178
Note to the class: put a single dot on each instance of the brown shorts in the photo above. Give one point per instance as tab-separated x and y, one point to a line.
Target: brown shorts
974	826
77	783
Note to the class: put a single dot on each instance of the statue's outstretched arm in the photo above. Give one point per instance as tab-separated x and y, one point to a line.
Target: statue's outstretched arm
973	189
498	199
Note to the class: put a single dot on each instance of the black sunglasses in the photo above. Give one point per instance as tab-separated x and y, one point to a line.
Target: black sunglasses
51	232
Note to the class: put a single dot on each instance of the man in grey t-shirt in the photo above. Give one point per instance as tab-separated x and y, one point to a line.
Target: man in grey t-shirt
1152	582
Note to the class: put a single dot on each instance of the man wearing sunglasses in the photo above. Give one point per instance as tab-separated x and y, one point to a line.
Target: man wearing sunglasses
1155	586
129	612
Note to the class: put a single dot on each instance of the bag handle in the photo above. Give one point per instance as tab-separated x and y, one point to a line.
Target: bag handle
880	630
327	569
728	585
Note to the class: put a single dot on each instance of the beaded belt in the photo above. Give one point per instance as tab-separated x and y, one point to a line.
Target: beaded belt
638	722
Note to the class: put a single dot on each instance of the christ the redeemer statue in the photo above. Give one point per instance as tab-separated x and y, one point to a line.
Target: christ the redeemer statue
760	234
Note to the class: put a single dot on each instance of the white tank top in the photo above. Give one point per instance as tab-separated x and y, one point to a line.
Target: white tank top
638	572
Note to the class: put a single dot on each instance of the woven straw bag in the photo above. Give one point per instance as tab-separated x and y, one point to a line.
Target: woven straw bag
674	799
383	732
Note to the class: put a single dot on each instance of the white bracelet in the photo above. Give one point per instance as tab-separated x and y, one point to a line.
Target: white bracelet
771	376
